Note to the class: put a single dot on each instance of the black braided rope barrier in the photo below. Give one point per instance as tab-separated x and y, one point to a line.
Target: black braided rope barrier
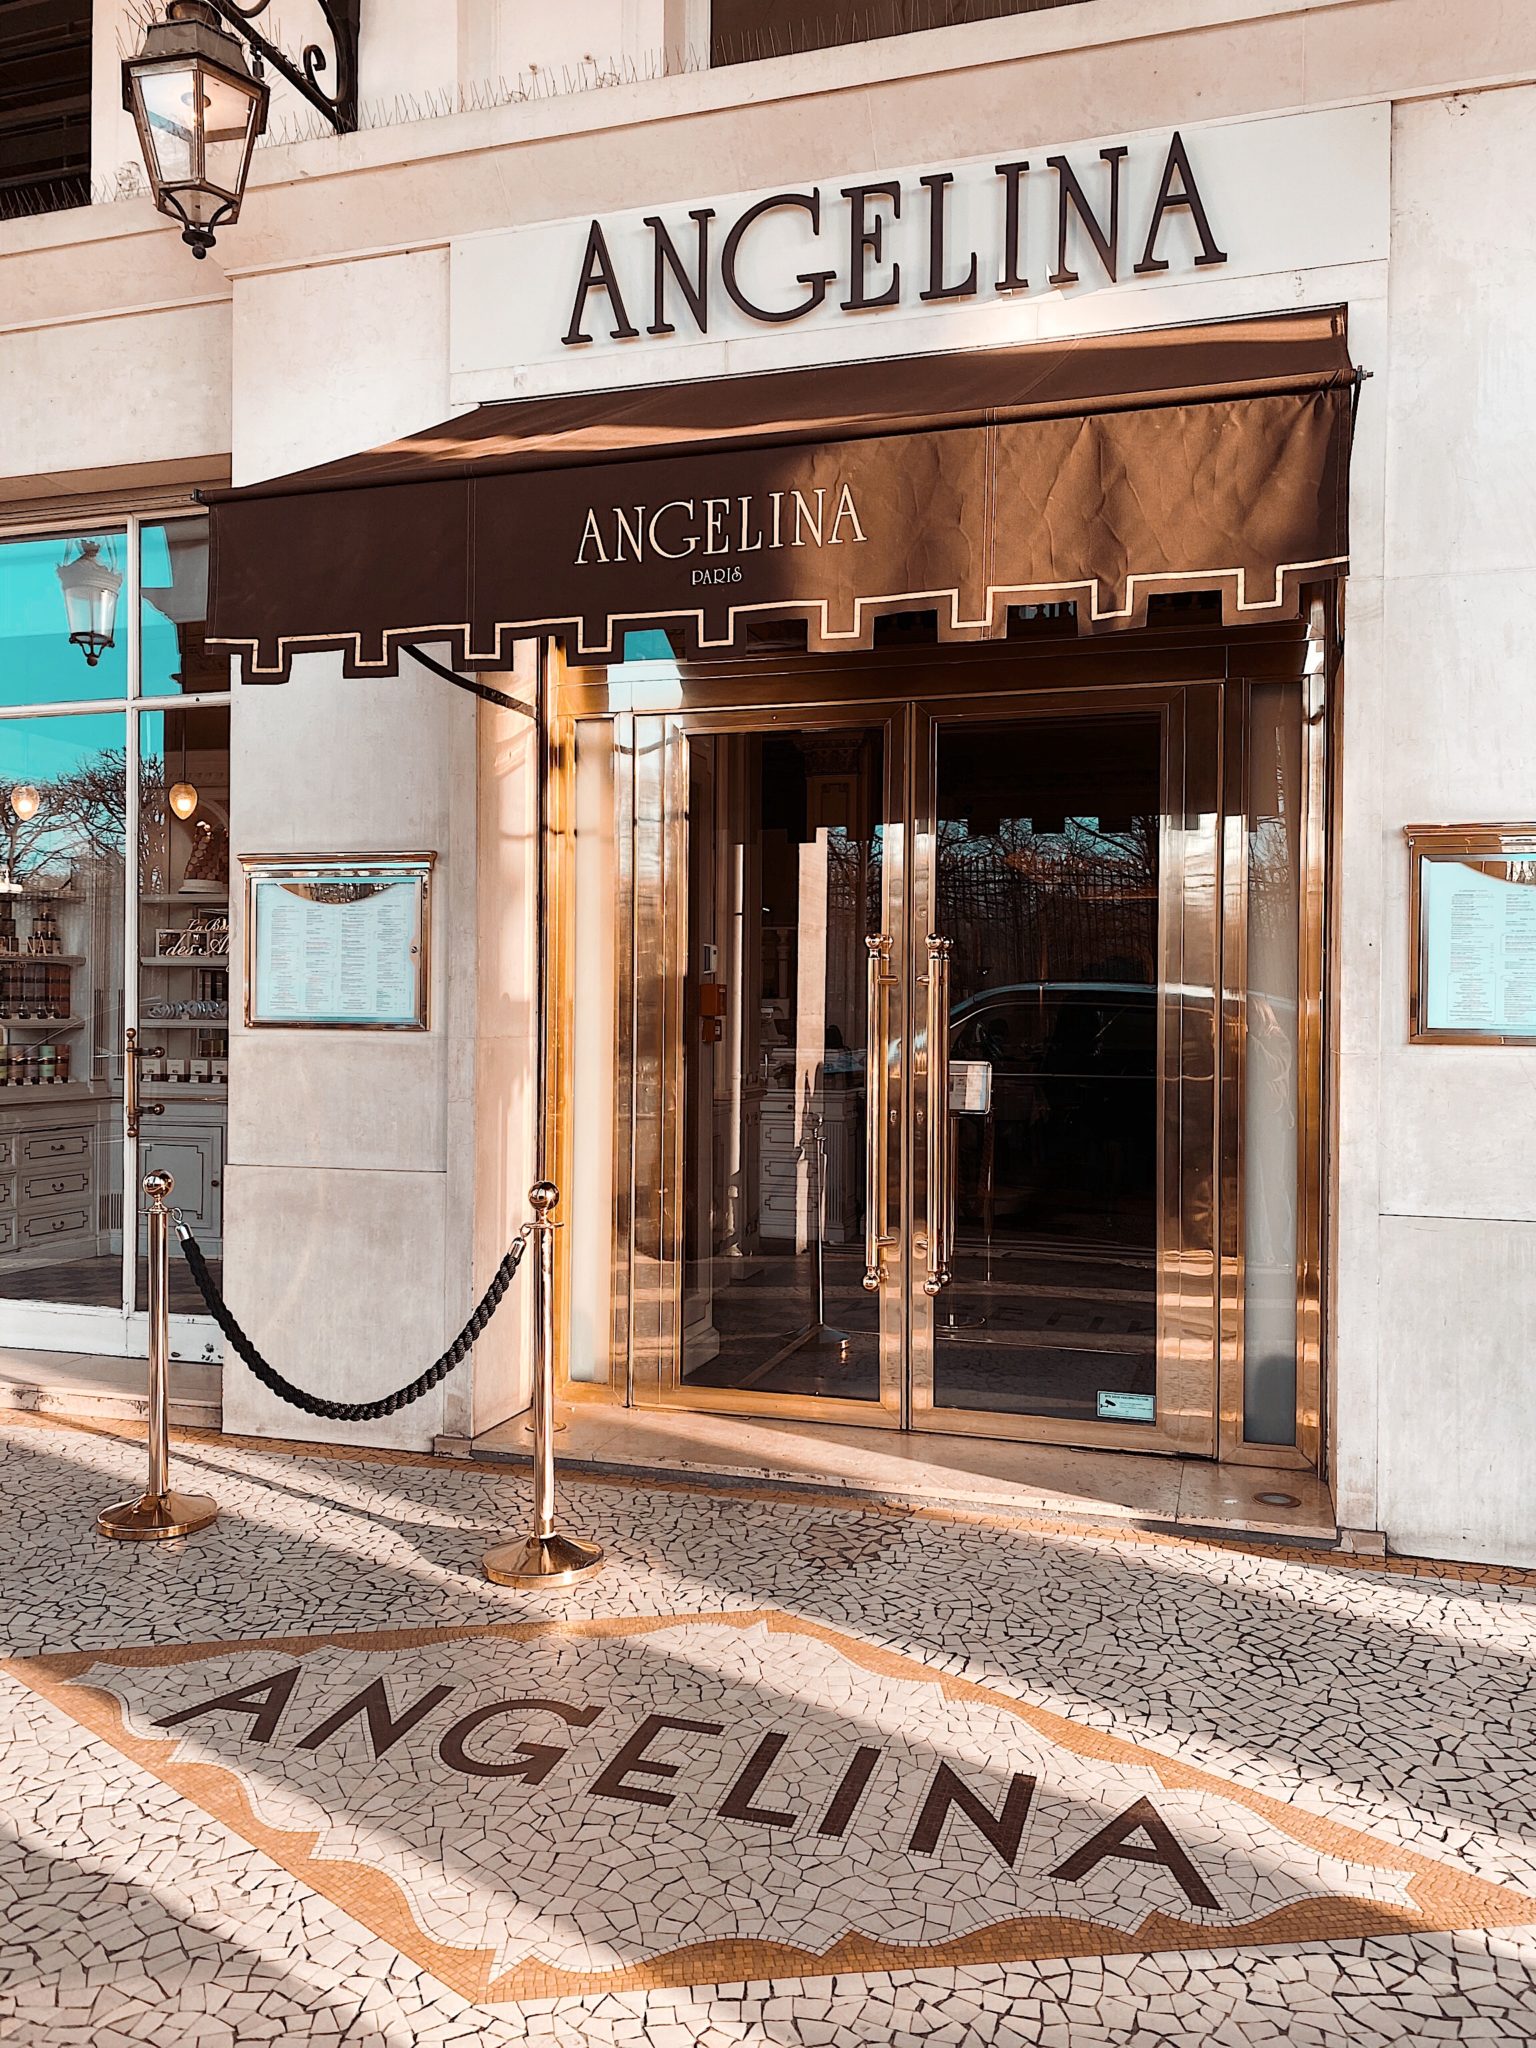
348	1411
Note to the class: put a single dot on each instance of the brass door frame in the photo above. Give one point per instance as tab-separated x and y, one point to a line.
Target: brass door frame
1006	679
1319	674
1189	719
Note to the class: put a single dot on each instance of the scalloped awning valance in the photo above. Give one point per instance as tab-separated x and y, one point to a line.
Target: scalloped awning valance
1097	472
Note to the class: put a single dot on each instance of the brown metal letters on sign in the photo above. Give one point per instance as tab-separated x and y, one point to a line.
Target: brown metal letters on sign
866	268
1096	473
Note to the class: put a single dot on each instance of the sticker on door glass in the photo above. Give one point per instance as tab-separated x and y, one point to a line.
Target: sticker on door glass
1127	1407
970	1087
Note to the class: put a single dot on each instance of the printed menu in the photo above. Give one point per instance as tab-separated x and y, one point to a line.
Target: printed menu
1479	933
323	959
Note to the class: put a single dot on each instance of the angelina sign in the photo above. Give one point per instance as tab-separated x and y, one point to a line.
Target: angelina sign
986	250
732	527
537	1809
866	272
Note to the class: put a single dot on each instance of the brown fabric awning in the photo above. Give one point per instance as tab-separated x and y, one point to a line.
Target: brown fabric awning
1096	472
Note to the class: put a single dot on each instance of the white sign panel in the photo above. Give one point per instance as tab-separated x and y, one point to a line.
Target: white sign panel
1018	245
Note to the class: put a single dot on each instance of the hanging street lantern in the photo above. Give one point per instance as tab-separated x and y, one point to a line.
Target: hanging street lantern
90	588
199	107
198	111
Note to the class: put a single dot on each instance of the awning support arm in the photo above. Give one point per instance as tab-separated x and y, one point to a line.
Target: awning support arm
468	683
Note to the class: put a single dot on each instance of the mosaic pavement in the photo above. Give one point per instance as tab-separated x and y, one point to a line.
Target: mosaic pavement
788	1770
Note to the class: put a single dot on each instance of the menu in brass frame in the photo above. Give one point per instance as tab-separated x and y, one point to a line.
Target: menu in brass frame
1473	897
337	942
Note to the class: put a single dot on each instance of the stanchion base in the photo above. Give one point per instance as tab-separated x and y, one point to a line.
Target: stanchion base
154	1516
542	1561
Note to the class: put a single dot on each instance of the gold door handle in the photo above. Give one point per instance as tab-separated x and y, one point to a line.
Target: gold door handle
940	1193
876	1028
133	1052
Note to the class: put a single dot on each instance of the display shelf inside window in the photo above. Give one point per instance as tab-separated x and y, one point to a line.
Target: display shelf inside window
184	959
41	1018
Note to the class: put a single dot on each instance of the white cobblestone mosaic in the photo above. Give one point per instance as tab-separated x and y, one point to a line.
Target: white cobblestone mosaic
590	1802
1386	1714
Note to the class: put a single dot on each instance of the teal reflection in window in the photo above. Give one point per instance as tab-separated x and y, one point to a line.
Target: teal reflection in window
38	662
173	572
653	645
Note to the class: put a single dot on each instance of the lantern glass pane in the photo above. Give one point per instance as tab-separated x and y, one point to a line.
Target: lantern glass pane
170	108
87	612
199	202
227	115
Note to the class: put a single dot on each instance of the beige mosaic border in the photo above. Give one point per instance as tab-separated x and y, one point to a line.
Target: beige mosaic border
847	1500
1444	1898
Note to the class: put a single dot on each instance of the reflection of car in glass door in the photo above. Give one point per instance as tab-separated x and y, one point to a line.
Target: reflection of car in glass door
1070	1120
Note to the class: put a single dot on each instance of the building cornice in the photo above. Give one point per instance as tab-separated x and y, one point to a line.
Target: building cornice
1436	53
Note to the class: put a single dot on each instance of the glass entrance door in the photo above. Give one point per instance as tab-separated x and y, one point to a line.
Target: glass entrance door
923	1071
788	863
1065	1079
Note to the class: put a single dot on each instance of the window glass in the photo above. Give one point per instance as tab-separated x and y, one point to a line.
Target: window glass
62	815
184	970
1049	849
652	645
45	94
173	610
67	1179
785	886
1270	1083
62	636
744	30
595	1046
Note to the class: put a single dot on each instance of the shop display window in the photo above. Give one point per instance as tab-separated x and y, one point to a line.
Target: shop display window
114	922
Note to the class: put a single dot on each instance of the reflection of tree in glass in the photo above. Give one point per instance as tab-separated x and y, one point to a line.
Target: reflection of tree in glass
853	908
853	875
82	816
1074	905
1272	860
20	836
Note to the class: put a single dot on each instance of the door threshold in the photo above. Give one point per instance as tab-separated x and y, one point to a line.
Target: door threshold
90	1387
931	1470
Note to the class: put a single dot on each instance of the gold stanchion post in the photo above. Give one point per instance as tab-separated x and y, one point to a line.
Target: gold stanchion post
158	1512
544	1557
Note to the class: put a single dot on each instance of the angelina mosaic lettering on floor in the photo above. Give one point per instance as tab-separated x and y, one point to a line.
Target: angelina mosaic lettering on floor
529	1809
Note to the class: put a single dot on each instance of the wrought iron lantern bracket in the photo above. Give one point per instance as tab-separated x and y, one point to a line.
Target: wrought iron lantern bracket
342	19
